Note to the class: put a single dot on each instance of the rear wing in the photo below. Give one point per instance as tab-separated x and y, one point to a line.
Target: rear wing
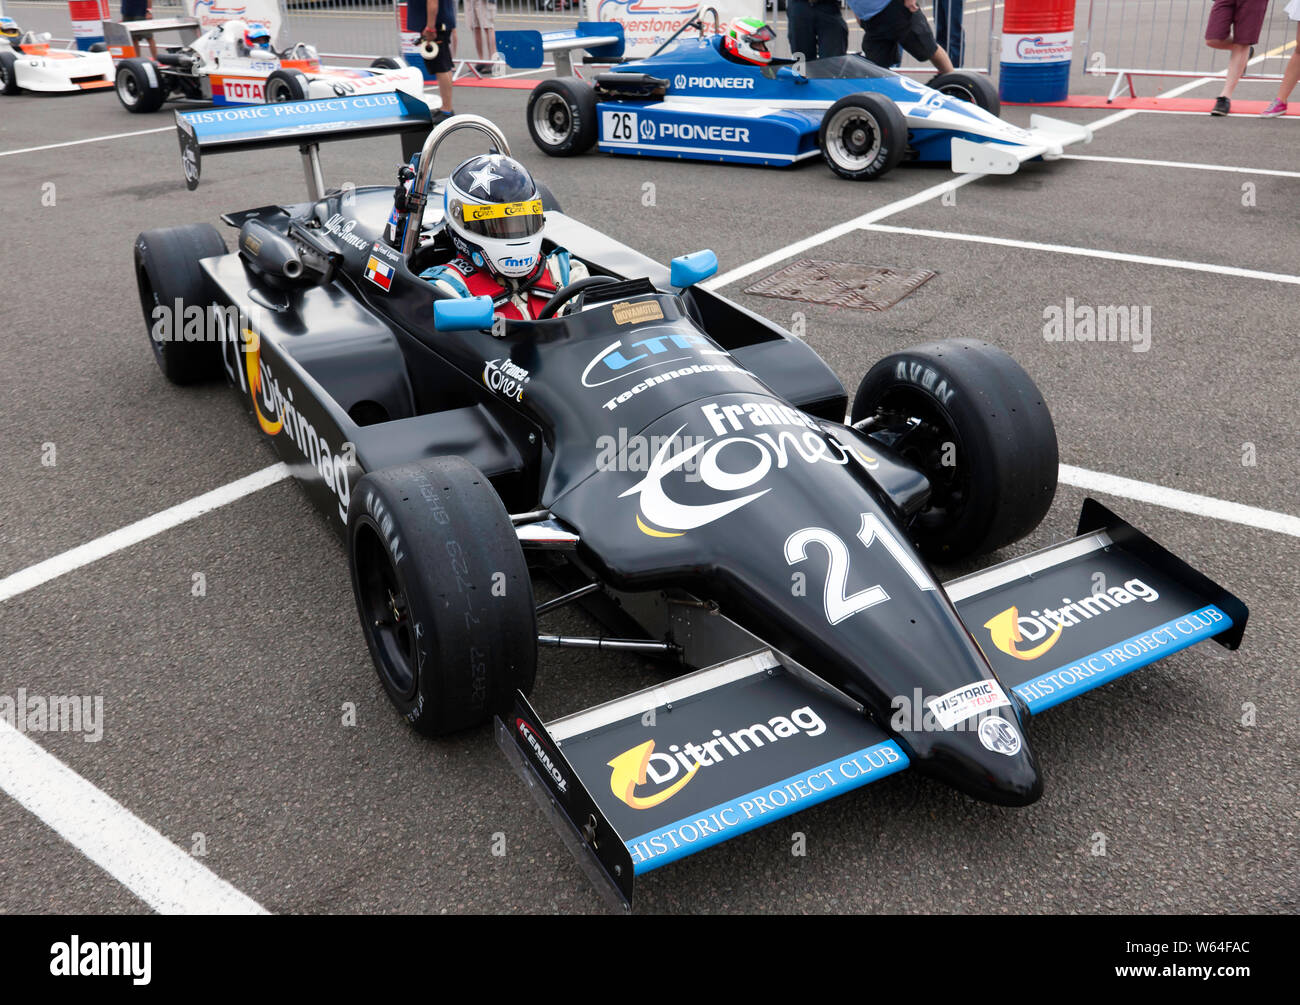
304	124
120	37
641	781
527	50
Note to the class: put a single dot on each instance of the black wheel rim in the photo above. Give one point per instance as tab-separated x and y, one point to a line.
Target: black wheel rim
386	614
129	89
919	430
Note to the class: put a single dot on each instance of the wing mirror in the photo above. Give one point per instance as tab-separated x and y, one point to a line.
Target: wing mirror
693	268
462	315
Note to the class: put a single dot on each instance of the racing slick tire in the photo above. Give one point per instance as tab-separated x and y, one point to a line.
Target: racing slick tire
139	86
285	85
98	47
167	273
8	73
973	421
863	136
972	87
386	63
443	592
562	116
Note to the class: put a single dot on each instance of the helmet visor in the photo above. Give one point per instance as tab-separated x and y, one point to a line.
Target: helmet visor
761	35
498	220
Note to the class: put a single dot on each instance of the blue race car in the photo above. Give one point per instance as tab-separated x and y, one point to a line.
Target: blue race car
694	100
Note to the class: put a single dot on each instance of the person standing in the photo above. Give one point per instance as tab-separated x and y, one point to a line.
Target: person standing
817	28
1234	27
948	28
888	25
435	20
1291	75
481	19
140	10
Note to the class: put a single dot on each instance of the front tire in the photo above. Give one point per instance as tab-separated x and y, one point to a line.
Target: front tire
973	421
972	87
863	136
139	86
562	116
386	63
443	593
8	73
168	276
285	85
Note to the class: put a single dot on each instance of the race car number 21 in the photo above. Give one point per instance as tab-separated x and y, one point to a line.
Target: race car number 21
619	127
837	603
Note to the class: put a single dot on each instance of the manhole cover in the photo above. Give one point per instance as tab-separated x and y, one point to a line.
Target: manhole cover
841	284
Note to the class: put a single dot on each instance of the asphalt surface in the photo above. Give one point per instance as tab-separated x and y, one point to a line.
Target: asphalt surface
223	712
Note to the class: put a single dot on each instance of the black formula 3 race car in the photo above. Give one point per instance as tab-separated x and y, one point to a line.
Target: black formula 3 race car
687	470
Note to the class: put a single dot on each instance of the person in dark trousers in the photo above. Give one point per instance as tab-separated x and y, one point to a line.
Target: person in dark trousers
140	10
435	20
888	25
948	29
817	28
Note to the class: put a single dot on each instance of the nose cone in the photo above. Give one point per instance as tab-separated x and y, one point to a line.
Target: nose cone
988	757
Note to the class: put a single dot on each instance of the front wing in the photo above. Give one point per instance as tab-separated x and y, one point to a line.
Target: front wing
658	775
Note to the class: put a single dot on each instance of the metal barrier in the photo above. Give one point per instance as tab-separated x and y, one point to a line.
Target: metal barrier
1166	38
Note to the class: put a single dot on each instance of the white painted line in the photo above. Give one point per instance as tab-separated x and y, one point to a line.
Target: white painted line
890	209
92	139
102	829
1187	165
839	230
1187	502
1113	256
124	537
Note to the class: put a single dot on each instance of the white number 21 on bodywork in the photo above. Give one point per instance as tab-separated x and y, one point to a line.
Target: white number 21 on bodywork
838	604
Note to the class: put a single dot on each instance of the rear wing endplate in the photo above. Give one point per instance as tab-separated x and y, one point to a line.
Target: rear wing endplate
527	49
120	37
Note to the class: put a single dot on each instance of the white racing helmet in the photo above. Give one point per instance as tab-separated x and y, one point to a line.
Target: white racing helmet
494	215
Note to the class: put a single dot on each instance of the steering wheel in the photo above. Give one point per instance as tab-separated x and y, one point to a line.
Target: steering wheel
695	22
578	288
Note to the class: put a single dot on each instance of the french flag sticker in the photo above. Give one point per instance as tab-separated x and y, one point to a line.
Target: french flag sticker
379	273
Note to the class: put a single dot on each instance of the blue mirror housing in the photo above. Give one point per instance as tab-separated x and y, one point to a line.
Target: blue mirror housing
462	315
693	268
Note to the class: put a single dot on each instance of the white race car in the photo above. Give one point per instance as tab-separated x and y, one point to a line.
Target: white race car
28	63
233	63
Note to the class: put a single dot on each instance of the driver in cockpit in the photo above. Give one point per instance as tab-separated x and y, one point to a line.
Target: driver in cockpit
494	217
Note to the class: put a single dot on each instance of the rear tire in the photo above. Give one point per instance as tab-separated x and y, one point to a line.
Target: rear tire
985	440
562	116
285	85
863	136
972	87
139	86
167	272
443	593
8	73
